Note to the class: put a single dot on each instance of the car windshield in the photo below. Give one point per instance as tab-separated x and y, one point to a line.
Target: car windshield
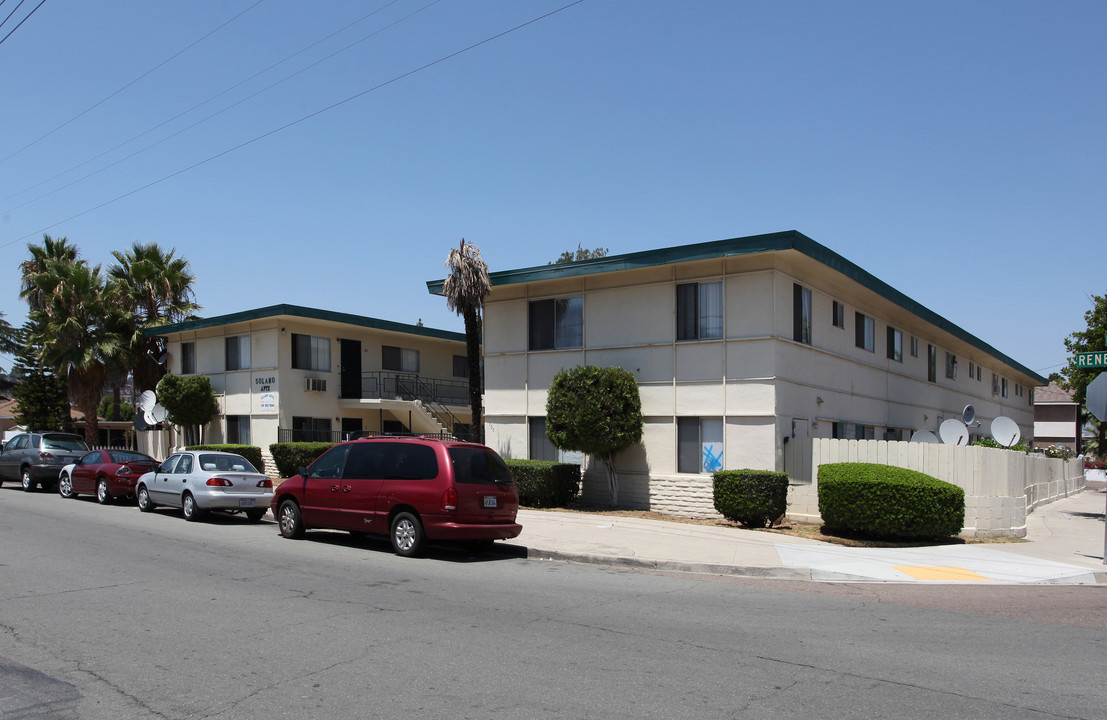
226	463
479	465
63	442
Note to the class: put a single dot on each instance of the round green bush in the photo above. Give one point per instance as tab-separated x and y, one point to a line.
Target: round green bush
883	501
754	498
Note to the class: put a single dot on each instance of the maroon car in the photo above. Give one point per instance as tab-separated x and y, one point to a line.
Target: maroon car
411	489
108	473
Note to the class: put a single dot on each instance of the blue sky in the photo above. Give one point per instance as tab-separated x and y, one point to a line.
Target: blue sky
953	149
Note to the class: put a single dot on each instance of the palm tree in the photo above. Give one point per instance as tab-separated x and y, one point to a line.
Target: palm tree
156	289
78	328
465	288
50	251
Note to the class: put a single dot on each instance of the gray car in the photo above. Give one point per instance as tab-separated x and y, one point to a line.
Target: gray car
36	458
197	481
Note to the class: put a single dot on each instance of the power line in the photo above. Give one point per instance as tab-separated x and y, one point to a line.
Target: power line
21	21
137	79
298	121
213	97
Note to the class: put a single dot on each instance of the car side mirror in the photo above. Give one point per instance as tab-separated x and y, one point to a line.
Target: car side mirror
303	472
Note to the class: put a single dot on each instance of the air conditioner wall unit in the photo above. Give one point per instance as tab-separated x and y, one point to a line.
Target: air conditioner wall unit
315	384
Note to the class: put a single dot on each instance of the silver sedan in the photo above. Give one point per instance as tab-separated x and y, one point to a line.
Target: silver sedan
197	481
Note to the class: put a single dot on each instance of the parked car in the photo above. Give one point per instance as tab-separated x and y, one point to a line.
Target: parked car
36	458
110	474
411	489
198	481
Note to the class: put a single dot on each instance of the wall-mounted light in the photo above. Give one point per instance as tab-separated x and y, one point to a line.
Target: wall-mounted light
819	400
283	331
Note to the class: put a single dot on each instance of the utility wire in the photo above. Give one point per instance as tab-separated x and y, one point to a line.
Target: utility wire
296	122
205	102
137	79
21	21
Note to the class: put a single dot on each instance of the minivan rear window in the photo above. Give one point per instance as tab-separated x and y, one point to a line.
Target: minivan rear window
63	442
479	465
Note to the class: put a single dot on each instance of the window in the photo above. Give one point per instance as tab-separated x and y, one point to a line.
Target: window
1004	391
839	318
995	384
699	445
556	324
306	429
188	358
461	366
866	333
238	352
311	353
540	447
399	359
931	363
914	347
895	344
951	366
801	314
979	374
972	370
238	429
699	311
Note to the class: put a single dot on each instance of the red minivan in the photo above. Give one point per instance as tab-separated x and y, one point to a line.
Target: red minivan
411	489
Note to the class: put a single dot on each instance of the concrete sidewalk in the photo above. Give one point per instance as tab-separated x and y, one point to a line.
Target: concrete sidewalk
1065	542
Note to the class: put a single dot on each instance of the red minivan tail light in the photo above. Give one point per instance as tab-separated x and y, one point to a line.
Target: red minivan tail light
449	500
219	482
266	483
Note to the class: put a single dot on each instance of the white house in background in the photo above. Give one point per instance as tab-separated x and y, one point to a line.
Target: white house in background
288	373
740	347
1056	418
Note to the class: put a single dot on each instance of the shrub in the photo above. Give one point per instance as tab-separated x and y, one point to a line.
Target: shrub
888	502
250	452
1062	452
545	484
754	498
993	443
291	456
1091	463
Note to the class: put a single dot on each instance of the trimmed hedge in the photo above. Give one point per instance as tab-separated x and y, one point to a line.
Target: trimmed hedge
250	452
291	456
883	501
545	484
754	498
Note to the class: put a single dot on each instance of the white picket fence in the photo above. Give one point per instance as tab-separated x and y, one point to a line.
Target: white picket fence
1001	486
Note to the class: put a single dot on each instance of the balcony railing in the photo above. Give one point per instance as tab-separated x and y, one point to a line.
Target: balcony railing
406	386
286	435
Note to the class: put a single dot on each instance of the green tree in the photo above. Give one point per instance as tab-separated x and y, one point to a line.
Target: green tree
155	288
109	409
465	288
41	395
78	329
1093	338
9	342
189	402
596	410
580	254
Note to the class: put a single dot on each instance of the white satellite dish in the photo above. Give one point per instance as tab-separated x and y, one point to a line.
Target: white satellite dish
1005	431
924	436
146	400
954	432
159	413
968	414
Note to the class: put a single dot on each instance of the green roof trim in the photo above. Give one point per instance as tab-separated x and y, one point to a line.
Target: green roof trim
734	247
304	312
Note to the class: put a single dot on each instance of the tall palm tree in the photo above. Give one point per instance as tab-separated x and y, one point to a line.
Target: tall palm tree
50	251
155	287
465	288
78	328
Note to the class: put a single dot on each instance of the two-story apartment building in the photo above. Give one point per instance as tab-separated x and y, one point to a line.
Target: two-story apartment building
288	373
740	347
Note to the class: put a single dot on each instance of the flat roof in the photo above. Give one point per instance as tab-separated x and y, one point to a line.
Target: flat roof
304	312
752	245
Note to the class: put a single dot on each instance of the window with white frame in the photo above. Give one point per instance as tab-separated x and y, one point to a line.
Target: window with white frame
540	447
895	344
699	311
699	445
914	347
238	352
556	324
399	359
238	429
1003	392
951	366
865	332
801	314
995	384
839	315
310	352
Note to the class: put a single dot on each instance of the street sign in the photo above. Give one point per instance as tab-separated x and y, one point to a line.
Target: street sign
1091	359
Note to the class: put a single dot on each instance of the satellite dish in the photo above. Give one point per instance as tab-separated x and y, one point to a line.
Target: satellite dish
146	400
954	432
968	414
140	421
159	413
1005	431
924	436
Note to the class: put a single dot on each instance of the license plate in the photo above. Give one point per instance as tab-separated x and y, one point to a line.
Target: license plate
490	501
246	503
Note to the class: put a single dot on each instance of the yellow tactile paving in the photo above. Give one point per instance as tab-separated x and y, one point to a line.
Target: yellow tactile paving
941	574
